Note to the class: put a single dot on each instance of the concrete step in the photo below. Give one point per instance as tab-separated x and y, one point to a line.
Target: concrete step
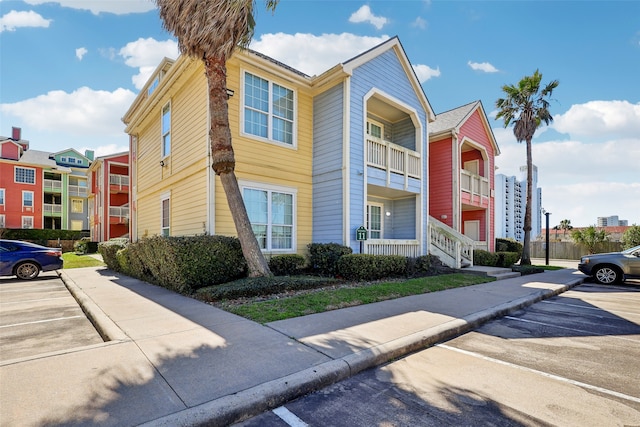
498	272
507	275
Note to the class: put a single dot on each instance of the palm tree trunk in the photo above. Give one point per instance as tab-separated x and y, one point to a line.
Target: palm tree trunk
223	163
526	245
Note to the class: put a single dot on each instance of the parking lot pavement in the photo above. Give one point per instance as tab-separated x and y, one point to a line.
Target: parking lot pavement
40	316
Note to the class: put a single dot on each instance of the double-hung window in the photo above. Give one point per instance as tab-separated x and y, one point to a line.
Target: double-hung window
271	212
25	175
27	199
166	130
165	216
268	110
1	196
27	222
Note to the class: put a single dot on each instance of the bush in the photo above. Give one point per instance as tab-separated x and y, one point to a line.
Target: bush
324	257
631	237
508	245
527	269
40	235
184	264
371	267
260	286
421	266
482	257
85	246
286	265
109	249
507	259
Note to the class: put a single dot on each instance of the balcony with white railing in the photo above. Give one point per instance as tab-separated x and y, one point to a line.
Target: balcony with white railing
118	214
119	182
51	209
475	188
408	248
393	158
78	190
52	186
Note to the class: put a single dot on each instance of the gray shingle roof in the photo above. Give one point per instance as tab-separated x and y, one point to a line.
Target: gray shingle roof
452	118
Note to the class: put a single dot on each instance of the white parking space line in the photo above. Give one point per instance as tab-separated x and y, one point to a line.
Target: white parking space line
581	331
544	374
583	307
34	300
289	417
41	321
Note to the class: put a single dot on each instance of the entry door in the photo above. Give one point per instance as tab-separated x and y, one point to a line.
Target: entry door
472	230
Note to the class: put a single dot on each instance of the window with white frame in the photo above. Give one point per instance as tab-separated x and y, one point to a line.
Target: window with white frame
165	216
268	110
1	196
27	199
375	129
374	220
272	213
166	130
77	206
25	175
2	223
27	222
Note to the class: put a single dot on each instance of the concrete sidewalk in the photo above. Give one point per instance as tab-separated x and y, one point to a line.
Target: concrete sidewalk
171	360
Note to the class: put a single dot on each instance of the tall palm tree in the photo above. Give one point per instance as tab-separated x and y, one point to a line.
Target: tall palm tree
565	225
211	30
527	107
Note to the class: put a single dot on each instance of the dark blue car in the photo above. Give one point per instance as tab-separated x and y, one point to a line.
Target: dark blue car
26	260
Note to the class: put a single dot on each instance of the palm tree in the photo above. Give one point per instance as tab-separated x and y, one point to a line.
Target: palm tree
525	105
565	225
211	30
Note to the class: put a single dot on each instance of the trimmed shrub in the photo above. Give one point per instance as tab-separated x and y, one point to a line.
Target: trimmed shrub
527	269
184	264
41	235
109	249
286	265
508	245
123	261
507	259
371	267
261	286
482	257
421	266
324	257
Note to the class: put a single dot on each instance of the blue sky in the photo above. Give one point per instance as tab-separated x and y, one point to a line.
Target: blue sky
69	70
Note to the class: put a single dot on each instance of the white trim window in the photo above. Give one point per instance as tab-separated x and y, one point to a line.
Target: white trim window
166	130
27	199
165	215
2	221
1	196
269	110
272	215
374	220
25	175
27	222
375	129
77	205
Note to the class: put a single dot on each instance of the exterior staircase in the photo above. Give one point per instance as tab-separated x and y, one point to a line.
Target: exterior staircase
452	247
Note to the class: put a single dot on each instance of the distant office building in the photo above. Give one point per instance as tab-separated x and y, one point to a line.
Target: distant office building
510	201
611	221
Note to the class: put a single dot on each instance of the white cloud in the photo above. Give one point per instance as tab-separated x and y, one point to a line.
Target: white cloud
424	72
364	14
83	112
482	66
118	7
600	119
419	23
145	55
313	54
81	52
14	20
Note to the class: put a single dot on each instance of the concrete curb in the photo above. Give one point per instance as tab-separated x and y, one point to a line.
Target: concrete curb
107	329
240	406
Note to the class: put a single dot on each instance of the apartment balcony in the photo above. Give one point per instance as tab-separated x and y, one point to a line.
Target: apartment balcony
52	186
395	160
407	248
118	183
474	188
51	209
78	190
119	214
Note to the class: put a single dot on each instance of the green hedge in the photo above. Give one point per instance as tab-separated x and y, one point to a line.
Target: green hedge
42	234
508	245
371	267
323	257
287	265
495	259
109	249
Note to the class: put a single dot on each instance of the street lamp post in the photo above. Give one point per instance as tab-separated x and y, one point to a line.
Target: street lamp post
546	251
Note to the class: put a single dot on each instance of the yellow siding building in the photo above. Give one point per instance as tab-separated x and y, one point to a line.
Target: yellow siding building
174	190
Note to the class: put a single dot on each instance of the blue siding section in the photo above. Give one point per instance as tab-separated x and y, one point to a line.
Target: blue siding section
404	134
404	219
327	166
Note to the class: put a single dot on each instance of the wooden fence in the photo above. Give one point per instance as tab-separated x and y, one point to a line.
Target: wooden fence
570	250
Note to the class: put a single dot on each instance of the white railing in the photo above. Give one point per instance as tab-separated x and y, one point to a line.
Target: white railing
52	185
77	190
391	157
50	208
475	184
121	180
408	248
453	247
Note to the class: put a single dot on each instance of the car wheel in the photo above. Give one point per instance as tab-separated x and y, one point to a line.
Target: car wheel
27	270
607	275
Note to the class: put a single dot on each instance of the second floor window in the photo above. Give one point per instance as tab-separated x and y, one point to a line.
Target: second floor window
268	110
77	206
27	199
1	196
166	130
25	175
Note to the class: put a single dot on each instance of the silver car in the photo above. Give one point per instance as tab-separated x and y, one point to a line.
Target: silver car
613	267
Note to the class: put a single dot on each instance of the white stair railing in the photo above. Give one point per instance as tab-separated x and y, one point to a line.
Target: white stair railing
452	247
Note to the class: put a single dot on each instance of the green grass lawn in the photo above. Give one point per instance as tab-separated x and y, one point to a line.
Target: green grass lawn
73	260
325	299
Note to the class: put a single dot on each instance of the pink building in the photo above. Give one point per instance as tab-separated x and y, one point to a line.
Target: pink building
109	198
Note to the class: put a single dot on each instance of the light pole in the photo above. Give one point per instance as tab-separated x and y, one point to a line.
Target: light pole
546	245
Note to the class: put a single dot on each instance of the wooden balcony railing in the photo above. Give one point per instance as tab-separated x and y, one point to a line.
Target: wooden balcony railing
393	158
408	248
474	184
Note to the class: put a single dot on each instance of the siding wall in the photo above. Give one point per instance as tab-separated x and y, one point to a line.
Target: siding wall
441	188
